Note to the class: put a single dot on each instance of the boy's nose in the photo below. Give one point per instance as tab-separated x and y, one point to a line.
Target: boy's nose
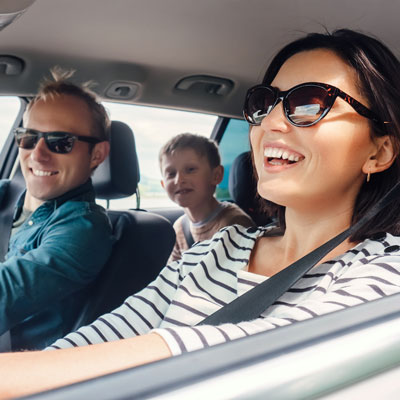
179	178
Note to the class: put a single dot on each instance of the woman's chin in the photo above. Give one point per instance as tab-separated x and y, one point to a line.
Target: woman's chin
275	195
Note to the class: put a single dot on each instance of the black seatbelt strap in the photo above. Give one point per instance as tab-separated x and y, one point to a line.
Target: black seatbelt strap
186	231
253	303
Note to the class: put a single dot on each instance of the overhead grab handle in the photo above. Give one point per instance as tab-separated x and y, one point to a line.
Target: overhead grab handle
209	84
10	65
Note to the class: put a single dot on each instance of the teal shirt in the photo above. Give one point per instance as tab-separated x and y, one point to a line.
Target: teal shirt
52	258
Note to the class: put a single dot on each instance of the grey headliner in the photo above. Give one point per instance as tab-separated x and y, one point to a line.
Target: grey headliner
157	42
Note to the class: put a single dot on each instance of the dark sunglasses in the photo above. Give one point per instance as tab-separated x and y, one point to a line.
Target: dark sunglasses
57	142
304	105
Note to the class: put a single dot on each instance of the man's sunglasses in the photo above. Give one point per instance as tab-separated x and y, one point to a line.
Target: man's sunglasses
304	105
57	142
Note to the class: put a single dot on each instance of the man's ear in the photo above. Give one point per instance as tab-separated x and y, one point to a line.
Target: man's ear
218	175
382	158
99	153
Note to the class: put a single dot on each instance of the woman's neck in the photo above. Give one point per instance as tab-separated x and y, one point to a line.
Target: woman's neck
306	232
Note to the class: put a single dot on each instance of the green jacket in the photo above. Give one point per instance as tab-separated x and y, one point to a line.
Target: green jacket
52	258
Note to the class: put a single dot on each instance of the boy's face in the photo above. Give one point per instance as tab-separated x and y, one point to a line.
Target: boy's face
188	178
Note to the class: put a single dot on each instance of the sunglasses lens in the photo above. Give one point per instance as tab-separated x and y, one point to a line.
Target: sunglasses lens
26	140
59	143
260	102
308	104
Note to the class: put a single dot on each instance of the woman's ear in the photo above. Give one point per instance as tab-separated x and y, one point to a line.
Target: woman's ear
382	158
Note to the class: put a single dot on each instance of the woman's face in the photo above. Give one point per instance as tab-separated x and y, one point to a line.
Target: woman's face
330	155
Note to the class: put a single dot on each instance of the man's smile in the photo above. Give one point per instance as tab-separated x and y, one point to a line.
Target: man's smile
40	172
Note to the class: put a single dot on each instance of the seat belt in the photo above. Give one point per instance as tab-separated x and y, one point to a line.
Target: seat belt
186	231
254	302
14	190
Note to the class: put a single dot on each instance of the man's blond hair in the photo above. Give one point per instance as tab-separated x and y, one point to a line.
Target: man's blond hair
59	85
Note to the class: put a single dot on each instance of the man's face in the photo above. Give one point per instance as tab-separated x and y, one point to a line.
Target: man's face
49	175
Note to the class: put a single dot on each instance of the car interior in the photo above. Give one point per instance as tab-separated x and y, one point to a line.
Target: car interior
198	58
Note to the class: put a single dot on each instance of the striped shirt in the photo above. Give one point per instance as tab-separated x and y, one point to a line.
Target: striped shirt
214	272
228	214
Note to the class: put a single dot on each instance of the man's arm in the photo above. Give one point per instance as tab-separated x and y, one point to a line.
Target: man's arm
29	372
68	258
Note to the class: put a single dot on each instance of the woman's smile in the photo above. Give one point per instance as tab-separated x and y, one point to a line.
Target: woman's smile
279	157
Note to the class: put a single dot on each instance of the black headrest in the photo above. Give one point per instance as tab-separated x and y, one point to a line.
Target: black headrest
242	184
118	175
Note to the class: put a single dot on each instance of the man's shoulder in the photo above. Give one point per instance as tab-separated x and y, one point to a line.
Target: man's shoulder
80	209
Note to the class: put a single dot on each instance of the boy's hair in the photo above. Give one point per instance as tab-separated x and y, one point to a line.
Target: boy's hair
60	85
202	145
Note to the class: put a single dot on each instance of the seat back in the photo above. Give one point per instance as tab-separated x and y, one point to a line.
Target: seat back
243	188
119	174
134	262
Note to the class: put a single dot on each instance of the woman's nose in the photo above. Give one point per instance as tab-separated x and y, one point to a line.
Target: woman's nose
40	152
276	120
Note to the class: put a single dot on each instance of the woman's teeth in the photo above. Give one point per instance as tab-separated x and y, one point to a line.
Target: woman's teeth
278	153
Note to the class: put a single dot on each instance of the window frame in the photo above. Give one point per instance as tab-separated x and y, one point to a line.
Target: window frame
201	370
9	152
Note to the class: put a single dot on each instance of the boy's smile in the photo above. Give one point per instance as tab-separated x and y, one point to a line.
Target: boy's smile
188	178
183	191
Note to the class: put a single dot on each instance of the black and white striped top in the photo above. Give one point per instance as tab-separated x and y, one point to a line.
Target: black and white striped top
213	273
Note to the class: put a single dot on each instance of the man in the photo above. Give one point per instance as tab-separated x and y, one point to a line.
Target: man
60	238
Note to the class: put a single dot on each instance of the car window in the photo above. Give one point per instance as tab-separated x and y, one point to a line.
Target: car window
9	108
152	127
234	142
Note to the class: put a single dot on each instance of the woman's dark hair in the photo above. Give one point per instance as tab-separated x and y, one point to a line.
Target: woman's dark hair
378	72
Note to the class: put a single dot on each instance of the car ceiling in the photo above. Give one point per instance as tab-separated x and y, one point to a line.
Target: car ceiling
156	43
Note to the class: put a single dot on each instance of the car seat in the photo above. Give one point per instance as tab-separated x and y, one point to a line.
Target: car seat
133	262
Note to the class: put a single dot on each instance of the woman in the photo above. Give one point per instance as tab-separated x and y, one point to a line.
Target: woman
323	157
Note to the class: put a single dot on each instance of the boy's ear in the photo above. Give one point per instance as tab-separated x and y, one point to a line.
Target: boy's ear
218	175
162	184
382	158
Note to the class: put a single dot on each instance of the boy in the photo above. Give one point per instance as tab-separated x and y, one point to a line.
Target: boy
191	169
